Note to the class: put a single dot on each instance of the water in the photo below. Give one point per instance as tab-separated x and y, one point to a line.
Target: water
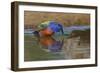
55	48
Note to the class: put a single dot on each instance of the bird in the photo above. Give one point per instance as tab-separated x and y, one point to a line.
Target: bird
48	28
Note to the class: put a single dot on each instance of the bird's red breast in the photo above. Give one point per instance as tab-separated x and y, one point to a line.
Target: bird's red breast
46	32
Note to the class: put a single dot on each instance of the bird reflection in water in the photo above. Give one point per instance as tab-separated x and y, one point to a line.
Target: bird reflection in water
51	44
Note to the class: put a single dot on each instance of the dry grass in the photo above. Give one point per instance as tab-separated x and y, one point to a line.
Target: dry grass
34	18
